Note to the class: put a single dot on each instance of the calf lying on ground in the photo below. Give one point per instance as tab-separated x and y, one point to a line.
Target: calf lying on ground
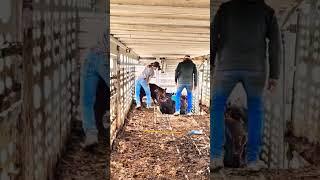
157	93
167	105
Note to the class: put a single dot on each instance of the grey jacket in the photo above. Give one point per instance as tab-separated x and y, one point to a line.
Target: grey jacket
239	34
186	73
147	73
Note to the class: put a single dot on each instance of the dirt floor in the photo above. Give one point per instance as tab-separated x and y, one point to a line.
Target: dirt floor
310	152
309	173
153	147
84	164
159	147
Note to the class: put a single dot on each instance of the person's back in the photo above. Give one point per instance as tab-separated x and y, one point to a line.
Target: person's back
239	37
186	76
186	73
243	27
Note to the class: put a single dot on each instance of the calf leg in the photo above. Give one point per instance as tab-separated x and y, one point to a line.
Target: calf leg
155	101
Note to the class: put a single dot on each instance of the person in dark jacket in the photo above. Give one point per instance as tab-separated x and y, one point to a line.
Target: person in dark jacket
239	35
185	77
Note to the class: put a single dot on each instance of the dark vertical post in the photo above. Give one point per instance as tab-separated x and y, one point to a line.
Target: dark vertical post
283	96
295	66
107	14
26	122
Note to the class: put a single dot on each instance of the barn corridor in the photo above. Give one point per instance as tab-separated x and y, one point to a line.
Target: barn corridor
44	44
155	146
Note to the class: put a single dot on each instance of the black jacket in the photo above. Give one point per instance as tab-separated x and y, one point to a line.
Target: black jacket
186	73
239	36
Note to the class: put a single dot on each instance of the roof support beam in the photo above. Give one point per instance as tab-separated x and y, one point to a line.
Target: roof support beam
163	38
133	32
159	21
118	9
160	28
175	3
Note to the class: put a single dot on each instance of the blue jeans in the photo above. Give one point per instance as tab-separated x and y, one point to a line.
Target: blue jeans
142	83
94	67
189	96
253	83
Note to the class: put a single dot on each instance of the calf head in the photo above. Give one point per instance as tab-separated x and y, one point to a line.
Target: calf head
161	94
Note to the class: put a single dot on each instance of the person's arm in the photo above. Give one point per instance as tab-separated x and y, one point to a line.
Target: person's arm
215	27
177	73
195	72
273	34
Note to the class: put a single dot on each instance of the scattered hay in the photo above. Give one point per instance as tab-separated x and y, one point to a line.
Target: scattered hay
152	150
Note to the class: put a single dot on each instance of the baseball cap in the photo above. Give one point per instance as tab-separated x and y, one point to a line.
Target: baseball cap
156	64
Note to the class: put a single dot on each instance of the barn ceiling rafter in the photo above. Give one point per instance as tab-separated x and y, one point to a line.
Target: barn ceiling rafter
170	28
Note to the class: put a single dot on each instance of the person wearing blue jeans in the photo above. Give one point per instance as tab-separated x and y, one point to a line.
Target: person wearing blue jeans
94	68
239	39
253	83
185	77
143	81
180	88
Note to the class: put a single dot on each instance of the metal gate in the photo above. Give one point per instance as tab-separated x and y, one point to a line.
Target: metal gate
39	95
297	106
122	69
10	89
204	83
306	106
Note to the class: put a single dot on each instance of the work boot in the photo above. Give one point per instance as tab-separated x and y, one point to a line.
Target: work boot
138	106
256	166
216	164
177	113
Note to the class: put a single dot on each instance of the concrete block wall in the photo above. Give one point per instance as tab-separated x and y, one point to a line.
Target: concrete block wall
39	83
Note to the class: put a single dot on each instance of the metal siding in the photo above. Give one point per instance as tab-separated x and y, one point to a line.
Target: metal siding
122	87
10	91
306	106
51	83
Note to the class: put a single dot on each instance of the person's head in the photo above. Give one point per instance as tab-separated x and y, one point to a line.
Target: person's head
155	65
187	57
